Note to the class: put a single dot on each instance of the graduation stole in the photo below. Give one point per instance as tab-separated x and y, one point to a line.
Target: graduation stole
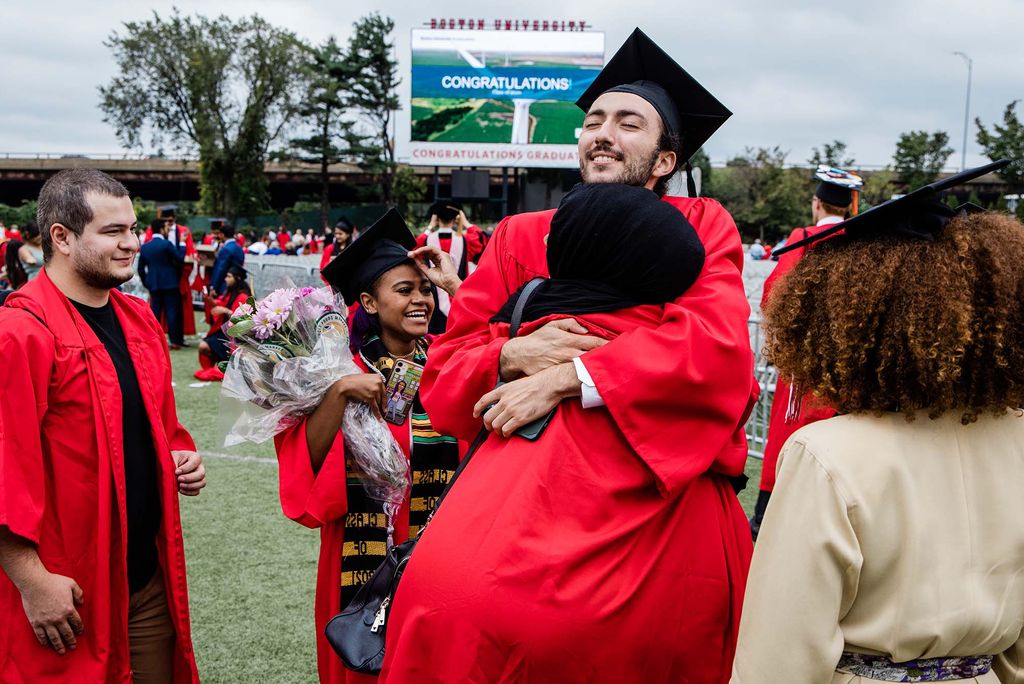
433	459
458	251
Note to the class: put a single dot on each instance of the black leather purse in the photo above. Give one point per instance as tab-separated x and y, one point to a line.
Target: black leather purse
357	634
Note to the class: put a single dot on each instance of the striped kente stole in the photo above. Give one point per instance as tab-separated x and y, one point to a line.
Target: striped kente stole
433	461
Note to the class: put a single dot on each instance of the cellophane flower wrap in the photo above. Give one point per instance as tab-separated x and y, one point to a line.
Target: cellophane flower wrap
288	349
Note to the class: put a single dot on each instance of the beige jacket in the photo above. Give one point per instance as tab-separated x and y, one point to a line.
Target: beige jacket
889	537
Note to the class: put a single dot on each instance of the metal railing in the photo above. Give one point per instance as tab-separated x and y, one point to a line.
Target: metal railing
266	273
766	375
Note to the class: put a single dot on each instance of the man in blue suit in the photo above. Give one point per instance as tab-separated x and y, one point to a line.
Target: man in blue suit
160	264
229	254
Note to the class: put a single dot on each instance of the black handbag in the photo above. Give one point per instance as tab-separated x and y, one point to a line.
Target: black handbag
357	634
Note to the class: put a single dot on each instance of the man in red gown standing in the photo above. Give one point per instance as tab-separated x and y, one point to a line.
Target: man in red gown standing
452	233
792	409
679	393
92	460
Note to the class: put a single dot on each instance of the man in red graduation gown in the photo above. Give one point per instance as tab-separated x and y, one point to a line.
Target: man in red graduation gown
92	460
683	388
453	234
792	409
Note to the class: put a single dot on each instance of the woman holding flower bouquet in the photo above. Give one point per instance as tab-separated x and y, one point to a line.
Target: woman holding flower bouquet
319	485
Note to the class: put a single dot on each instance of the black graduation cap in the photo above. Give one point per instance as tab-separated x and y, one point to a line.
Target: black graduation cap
445	210
918	214
836	186
642	68
166	211
378	249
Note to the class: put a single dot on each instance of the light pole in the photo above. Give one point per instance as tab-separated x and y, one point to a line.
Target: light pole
967	109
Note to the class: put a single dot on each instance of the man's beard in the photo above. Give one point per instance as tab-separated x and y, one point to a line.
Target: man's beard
636	171
90	270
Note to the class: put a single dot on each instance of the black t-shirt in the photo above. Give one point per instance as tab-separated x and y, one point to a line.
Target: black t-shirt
140	465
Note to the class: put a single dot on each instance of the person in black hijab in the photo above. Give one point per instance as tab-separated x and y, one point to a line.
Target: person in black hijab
612	247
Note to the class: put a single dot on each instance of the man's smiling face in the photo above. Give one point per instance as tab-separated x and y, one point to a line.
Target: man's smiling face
620	142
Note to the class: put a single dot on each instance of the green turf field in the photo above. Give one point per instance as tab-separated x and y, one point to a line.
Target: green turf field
252	572
555	122
490	122
419	112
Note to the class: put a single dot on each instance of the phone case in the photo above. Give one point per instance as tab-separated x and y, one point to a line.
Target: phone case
399	403
533	431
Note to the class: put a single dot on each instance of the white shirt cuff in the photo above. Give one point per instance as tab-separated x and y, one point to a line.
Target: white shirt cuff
590	397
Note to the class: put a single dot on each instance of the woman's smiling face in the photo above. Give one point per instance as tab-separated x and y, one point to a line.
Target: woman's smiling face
403	300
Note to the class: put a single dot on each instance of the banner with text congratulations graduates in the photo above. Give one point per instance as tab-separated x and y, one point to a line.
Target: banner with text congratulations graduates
499	98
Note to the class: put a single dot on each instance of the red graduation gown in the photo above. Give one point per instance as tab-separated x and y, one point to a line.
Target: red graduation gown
325	258
530	569
545	553
474	238
811	409
320	501
62	481
691	375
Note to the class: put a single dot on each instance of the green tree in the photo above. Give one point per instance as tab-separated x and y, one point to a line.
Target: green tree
878	187
766	199
920	157
19	215
372	72
223	88
145	212
1005	142
333	137
831	154
700	160
407	188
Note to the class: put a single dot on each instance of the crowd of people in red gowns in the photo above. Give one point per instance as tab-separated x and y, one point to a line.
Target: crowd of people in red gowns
583	377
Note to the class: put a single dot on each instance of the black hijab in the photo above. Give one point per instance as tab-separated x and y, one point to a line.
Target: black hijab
611	247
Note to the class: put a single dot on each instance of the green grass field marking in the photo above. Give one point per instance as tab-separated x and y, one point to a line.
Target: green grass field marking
251	571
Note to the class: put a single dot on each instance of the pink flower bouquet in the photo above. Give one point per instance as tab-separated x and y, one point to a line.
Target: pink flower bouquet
288	349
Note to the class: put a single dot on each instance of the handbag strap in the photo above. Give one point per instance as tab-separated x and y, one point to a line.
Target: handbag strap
517	319
517	312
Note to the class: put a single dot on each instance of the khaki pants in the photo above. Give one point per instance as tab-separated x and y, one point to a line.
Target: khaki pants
151	634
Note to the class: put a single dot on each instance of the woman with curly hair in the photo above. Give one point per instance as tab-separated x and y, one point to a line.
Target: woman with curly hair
892	548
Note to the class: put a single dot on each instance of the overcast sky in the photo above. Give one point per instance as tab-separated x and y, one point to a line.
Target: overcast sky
795	74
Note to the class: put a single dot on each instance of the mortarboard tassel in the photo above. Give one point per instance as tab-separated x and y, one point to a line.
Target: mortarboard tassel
691	186
796	397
